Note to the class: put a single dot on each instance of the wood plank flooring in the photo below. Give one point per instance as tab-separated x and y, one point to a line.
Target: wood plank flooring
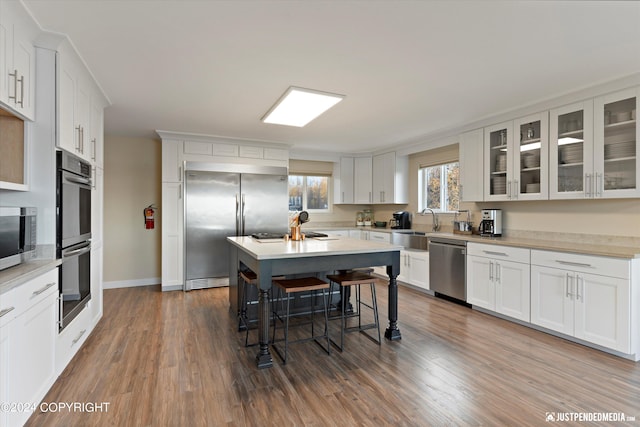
177	359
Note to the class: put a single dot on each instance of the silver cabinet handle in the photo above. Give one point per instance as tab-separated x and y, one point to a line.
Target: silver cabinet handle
574	264
79	336
587	185
498	272
370	197
93	151
491	271
599	185
44	288
578	296
6	311
516	189
78	139
509	189
495	253
21	92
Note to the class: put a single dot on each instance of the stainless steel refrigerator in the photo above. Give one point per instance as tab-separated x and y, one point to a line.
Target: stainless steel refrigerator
228	200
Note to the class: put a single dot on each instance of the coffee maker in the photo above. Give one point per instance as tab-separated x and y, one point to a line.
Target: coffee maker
491	223
401	220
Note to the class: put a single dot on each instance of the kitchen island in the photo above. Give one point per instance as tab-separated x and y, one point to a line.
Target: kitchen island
272	257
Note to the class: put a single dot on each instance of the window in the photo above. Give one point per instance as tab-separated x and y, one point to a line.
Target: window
309	193
438	187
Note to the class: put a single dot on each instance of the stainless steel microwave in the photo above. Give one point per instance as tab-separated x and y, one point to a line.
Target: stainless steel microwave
17	235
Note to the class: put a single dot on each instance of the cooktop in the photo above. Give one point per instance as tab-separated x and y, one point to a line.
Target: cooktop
309	234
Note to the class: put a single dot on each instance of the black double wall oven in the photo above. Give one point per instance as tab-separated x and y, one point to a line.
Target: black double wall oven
73	240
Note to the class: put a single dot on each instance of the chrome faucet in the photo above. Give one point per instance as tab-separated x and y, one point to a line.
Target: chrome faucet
436	224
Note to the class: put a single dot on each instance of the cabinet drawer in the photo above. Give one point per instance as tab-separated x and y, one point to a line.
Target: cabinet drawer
499	252
251	152
193	147
8	306
380	237
36	290
72	338
612	267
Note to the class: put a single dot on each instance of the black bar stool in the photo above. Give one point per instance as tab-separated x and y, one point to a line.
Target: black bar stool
289	287
356	278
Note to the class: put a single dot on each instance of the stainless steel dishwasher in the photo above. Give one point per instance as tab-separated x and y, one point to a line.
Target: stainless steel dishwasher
447	267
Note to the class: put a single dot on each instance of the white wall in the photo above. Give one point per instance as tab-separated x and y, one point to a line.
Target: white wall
132	181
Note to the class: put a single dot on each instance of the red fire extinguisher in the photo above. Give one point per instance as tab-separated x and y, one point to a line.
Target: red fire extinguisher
149	219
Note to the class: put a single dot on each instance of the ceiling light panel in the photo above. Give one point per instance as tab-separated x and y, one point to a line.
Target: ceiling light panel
299	106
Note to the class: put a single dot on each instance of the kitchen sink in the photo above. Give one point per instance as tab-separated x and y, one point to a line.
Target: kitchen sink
410	239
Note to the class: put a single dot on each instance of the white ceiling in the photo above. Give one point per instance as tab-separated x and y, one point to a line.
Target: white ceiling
409	69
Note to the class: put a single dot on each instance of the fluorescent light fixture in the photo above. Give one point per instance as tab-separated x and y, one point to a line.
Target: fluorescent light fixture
298	106
568	140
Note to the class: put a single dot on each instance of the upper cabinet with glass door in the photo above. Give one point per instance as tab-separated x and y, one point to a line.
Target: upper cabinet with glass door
516	159
531	158
571	151
498	140
616	136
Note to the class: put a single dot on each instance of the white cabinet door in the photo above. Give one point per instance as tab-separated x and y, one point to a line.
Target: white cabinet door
498	161
390	178
6	346
403	276
355	234
571	151
419	268
343	182
66	105
530	178
471	149
602	311
172	236
512	289
96	281
551	303
33	369
172	160
480	285
617	145
379	236
96	125
17	59
363	180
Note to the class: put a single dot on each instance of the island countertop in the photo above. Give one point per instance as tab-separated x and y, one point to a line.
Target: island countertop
263	249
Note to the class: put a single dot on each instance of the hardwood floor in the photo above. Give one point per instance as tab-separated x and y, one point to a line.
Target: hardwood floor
177	359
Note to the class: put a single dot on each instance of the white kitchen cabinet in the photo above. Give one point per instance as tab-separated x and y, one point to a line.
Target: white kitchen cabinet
17	59
172	236
74	105
516	159
616	144
380	236
571	151
498	279
414	268
390	178
582	296
96	128
471	154
343	181
172	160
355	234
71	338
363	180
27	344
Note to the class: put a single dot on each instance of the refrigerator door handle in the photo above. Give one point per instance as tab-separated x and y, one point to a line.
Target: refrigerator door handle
237	215
242	214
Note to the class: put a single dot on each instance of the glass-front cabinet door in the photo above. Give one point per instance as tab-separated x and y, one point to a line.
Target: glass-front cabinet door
616	135
571	152
498	140
531	158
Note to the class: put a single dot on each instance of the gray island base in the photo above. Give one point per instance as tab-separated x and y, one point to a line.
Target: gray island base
268	258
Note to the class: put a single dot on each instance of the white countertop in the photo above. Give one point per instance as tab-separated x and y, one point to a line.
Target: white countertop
280	248
22	273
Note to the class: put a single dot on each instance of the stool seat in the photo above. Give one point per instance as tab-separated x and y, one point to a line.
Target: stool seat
356	278
292	286
301	285
353	278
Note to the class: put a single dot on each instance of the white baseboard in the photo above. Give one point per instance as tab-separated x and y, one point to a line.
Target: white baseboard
131	283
